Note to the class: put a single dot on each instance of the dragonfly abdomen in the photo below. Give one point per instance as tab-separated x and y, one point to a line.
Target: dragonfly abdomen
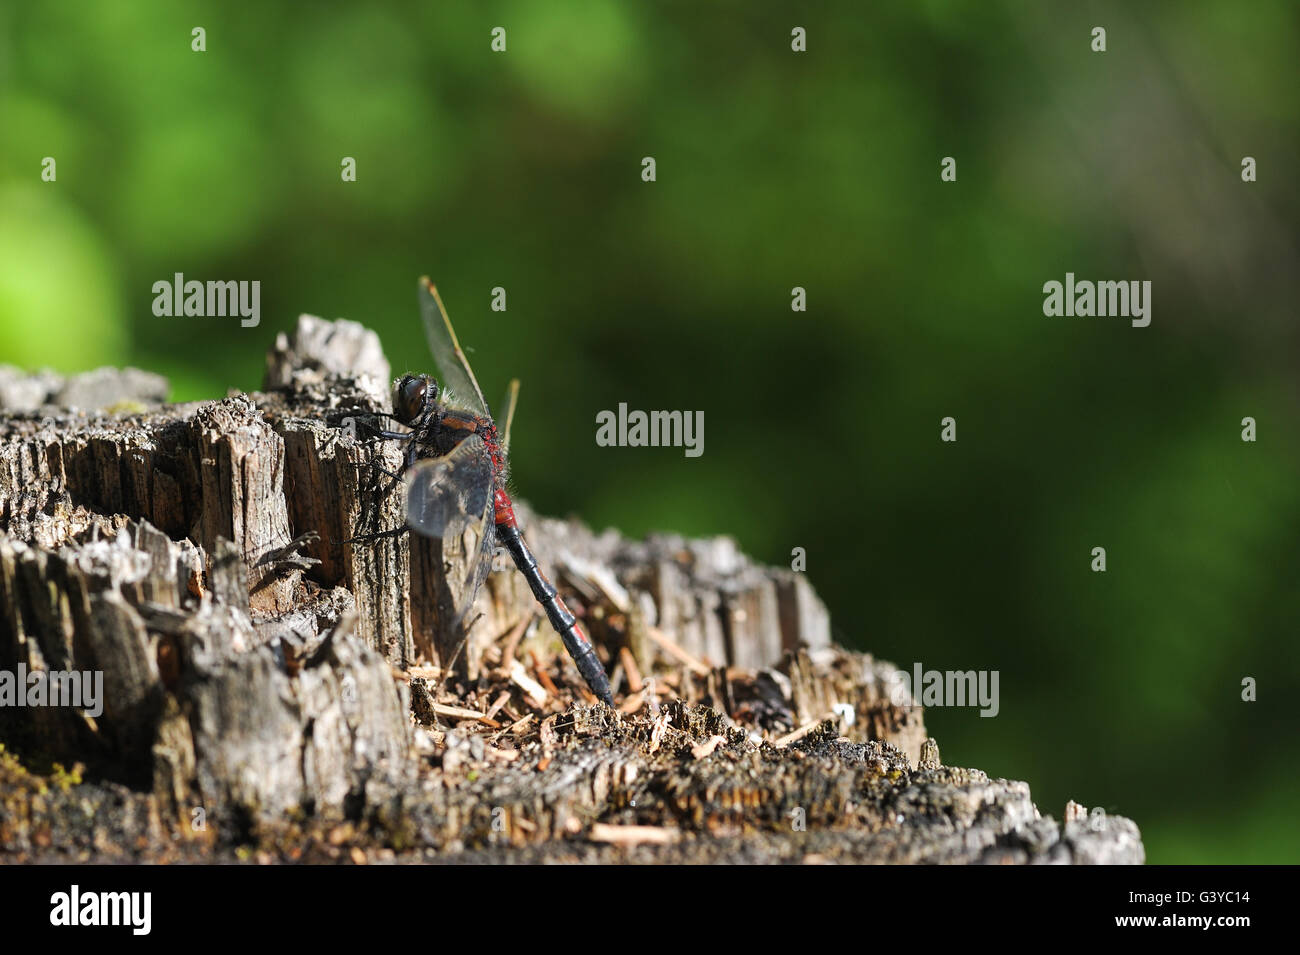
565	624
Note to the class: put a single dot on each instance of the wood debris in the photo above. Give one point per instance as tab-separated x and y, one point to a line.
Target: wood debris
537	693
632	835
701	750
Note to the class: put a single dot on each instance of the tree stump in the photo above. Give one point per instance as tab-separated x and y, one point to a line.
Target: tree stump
273	692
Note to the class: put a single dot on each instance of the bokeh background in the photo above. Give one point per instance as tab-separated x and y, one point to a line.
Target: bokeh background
775	169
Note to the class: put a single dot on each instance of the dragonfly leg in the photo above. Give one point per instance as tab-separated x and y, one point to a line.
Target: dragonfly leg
361	465
377	535
395	479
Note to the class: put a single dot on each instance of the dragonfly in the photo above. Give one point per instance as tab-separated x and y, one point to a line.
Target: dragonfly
455	470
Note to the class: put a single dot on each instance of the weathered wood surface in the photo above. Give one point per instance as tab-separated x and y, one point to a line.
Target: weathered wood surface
271	692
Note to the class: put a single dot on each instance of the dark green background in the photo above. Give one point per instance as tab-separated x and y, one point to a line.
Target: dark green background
775	169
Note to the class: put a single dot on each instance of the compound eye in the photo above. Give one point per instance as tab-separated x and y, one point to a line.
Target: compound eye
409	400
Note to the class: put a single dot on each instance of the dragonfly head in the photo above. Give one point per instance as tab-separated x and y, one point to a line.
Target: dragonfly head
412	395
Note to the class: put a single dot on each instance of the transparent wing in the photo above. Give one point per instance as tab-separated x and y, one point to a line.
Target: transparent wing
507	411
450	494
453	367
450	499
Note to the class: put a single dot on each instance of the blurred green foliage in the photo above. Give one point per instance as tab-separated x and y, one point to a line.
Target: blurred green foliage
775	170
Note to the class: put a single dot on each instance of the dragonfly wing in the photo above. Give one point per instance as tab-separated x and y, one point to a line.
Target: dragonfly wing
450	494
479	569
450	499
507	410
453	367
